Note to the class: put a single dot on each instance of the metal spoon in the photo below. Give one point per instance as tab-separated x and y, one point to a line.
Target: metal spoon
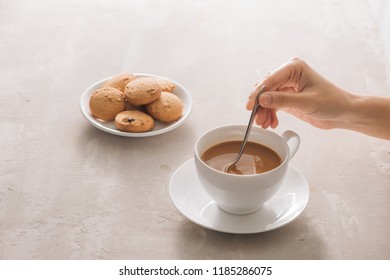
248	130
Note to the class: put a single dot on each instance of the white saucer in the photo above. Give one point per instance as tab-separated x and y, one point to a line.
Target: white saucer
192	201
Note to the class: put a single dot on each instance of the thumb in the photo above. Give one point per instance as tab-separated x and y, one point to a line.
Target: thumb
279	99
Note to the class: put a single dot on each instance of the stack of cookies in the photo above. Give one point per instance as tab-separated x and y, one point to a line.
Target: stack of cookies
134	103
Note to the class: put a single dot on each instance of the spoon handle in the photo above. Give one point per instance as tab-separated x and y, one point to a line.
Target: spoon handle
248	129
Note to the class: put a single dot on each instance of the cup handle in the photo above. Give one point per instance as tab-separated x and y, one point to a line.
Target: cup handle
293	142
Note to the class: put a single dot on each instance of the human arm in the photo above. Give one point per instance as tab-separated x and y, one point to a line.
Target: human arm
299	90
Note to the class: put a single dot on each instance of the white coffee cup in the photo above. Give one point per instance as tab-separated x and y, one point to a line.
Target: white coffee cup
244	194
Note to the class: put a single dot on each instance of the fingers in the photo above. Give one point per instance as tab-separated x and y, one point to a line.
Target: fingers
270	102
251	100
266	118
279	100
281	86
261	116
286	78
274	119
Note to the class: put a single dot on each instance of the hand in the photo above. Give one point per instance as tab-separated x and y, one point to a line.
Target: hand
299	90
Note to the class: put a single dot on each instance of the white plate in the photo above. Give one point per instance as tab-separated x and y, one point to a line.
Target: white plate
159	127
193	202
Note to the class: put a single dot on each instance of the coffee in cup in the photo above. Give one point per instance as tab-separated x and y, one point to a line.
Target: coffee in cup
256	158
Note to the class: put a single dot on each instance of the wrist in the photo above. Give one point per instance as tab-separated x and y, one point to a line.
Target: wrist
367	114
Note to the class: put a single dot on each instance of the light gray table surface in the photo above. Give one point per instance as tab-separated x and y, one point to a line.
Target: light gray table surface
71	191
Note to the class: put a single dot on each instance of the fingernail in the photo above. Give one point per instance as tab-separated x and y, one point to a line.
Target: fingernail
265	99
